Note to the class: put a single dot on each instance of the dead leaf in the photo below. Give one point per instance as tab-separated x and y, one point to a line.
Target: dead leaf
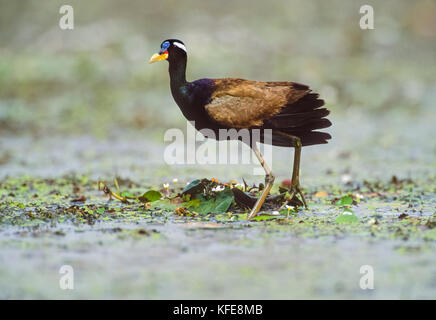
403	216
79	199
184	212
321	193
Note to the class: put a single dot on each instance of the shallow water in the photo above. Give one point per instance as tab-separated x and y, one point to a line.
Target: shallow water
134	253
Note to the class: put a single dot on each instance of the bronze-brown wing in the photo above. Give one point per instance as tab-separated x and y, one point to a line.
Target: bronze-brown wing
239	103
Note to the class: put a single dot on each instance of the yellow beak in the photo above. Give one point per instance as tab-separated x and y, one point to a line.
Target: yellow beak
158	57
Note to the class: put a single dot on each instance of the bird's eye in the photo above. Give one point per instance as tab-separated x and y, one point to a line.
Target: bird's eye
165	46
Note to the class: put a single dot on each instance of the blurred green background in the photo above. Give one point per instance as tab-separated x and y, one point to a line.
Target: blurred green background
95	79
95	83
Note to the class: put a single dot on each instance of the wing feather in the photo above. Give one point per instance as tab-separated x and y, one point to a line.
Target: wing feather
239	103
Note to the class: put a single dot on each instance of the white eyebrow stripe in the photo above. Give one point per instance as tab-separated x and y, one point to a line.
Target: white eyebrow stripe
180	45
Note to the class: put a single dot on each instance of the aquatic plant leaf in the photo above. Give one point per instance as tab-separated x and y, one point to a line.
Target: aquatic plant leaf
193	187
150	196
127	194
219	204
345	201
224	200
265	217
164	204
191	203
205	206
347	217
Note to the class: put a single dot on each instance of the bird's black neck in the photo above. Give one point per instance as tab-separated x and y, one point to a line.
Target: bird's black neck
177	72
178	82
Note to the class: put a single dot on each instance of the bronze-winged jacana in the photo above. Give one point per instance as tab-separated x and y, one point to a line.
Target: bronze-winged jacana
289	109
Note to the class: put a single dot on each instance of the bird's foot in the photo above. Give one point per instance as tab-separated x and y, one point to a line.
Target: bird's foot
295	190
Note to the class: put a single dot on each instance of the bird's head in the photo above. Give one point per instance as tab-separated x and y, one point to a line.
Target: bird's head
171	50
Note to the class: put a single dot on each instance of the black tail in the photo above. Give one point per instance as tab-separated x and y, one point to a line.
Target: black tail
300	119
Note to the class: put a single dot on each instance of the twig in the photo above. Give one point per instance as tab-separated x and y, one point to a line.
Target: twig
103	186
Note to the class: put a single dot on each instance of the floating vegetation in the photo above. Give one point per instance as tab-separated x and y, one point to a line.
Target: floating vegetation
375	209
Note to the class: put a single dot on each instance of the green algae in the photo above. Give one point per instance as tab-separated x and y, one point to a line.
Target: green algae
385	210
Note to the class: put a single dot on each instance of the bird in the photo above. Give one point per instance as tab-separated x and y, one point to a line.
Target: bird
289	111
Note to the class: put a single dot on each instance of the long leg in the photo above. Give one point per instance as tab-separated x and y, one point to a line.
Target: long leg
269	181
295	180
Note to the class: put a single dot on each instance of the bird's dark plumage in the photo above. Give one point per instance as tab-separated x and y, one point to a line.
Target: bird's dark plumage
290	110
288	107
